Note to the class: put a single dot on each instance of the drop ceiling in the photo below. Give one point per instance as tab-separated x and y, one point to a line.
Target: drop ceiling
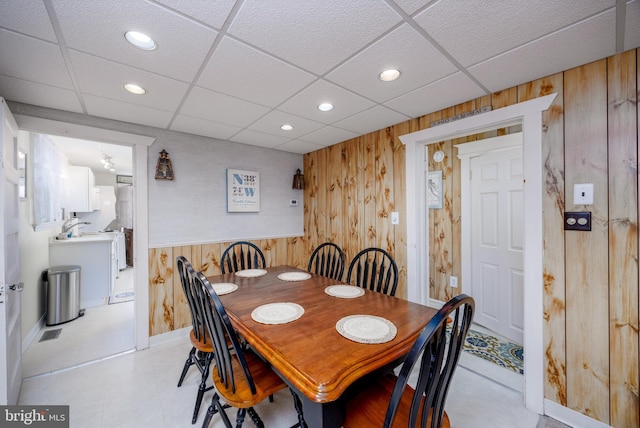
238	70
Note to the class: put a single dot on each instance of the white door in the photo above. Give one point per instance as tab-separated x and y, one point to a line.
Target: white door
497	241
10	286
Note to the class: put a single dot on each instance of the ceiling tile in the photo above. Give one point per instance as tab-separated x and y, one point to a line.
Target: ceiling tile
207	128
579	44
25	51
436	96
306	102
213	13
297	146
107	79
410	6
221	108
403	49
27	17
260	139
126	112
244	72
472	37
328	135
318	35
370	120
271	122
38	94
98	27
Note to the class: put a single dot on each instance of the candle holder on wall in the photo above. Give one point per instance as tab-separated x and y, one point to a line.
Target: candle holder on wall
164	169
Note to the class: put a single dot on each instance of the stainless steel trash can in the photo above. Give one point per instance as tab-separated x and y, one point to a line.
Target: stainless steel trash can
63	294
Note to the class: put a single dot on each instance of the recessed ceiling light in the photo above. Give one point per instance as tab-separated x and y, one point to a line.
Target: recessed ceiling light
135	89
389	75
287	127
140	40
325	107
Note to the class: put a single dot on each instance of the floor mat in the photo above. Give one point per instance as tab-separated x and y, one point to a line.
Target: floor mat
499	351
121	297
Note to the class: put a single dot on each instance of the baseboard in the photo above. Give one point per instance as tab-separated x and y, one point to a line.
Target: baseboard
570	417
168	337
29	338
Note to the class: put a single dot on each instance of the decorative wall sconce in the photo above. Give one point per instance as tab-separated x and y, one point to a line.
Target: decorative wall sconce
298	180
164	170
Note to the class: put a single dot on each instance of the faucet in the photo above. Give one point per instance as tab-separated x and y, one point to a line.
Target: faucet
70	223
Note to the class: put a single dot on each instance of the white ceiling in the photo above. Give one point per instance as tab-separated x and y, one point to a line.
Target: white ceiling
237	70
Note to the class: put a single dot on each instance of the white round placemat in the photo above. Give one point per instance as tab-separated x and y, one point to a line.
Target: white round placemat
344	291
277	313
294	276
224	288
250	273
366	329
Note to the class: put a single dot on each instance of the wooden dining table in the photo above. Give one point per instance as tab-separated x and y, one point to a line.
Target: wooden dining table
309	353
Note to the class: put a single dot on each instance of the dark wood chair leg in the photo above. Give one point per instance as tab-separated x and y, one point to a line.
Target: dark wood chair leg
298	405
254	417
187	364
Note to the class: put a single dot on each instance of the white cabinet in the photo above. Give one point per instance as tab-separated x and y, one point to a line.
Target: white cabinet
81	189
96	256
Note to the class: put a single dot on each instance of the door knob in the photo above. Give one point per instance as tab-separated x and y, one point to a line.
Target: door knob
18	287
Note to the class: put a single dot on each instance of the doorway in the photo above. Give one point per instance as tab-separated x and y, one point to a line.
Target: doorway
529	114
105	329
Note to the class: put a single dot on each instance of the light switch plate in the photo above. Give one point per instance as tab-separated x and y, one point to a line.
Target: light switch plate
395	218
583	194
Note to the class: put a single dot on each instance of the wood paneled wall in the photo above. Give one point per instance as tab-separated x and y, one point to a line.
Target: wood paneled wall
590	135
168	308
591	284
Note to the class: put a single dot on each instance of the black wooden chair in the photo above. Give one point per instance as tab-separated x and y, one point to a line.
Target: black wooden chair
201	352
437	350
374	269
327	260
242	255
241	378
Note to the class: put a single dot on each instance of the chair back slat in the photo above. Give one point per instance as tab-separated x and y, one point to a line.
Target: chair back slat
437	350
327	260
242	255
374	269
226	345
186	272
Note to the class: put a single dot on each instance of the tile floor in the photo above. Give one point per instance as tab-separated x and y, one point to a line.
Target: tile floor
138	389
103	331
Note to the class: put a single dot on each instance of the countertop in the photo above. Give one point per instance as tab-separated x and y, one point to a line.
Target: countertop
84	238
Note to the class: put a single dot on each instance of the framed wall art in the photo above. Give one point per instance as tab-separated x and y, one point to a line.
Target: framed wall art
434	190
243	191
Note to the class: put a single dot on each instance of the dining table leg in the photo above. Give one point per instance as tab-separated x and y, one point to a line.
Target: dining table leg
322	415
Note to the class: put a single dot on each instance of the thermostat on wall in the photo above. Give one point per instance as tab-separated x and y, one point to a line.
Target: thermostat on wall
293	203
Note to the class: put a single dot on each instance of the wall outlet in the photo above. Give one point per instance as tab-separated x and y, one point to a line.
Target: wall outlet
453	281
293	203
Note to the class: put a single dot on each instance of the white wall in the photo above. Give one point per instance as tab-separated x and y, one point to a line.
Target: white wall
34	253
193	207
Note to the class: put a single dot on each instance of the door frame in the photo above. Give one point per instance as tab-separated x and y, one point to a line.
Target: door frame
529	115
10	280
140	145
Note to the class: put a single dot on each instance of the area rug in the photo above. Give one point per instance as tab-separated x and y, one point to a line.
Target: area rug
121	297
496	350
